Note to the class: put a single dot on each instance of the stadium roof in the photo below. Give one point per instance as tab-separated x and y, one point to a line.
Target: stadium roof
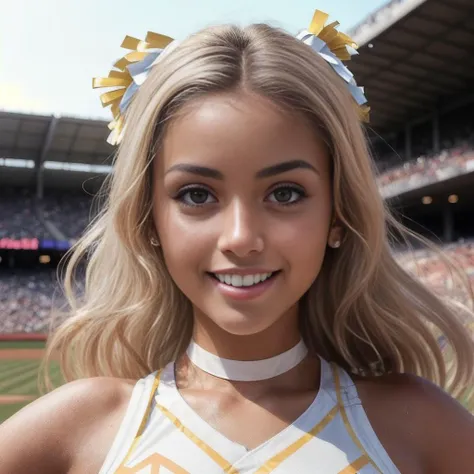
416	56
64	139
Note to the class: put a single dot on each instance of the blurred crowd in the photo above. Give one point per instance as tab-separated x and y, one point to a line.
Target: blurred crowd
435	272
23	215
26	299
69	213
426	170
19	217
455	140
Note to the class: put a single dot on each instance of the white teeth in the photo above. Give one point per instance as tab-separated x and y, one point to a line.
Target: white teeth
236	280
247	280
239	280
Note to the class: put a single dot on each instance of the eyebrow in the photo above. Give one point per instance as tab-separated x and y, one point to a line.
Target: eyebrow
196	169
263	173
284	167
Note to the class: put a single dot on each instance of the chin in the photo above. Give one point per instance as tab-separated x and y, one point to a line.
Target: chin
240	324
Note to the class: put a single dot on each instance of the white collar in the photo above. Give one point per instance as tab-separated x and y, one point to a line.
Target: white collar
246	371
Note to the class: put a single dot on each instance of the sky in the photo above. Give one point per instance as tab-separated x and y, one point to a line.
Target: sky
51	49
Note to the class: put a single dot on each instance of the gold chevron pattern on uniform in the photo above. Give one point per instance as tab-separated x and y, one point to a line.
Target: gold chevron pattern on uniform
155	462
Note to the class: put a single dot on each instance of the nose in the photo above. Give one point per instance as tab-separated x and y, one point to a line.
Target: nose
241	233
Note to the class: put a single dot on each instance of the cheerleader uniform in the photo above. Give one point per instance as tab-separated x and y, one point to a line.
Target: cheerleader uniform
162	434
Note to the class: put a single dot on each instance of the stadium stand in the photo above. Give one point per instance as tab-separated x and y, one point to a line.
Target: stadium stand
68	212
26	298
427	170
421	133
19	214
432	270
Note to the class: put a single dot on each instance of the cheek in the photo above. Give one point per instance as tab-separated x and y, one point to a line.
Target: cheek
304	241
184	242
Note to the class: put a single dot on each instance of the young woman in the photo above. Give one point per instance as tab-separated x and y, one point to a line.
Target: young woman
241	272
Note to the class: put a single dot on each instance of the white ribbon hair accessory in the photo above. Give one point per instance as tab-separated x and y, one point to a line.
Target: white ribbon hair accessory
129	73
335	47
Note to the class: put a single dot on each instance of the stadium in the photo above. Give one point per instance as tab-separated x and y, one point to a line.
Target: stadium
417	65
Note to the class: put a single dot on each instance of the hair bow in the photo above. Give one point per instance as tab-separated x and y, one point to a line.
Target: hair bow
131	71
128	75
335	47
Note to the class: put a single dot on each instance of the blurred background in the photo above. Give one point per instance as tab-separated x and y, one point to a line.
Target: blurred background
416	62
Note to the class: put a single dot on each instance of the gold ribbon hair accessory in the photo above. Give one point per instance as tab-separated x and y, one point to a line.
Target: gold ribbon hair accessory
131	71
335	47
128	74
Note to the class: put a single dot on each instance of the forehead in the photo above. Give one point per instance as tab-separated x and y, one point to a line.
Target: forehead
239	131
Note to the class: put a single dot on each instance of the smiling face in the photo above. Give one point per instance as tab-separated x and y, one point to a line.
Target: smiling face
242	206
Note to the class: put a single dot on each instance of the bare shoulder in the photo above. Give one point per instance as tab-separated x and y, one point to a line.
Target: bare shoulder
50	434
420	425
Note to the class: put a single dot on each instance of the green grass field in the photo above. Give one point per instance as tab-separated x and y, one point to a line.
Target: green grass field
6	411
20	377
22	345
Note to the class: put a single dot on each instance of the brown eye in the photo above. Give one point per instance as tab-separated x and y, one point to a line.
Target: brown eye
286	195
195	196
283	194
198	197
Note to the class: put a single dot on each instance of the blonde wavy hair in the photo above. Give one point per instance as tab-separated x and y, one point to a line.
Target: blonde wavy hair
363	311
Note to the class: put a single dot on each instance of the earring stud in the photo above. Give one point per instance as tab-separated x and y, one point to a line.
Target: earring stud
336	244
154	242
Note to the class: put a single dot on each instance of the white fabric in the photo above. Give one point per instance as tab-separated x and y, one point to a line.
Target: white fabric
246	371
329	452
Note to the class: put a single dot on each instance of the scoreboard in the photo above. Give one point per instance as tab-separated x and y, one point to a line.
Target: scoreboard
34	244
